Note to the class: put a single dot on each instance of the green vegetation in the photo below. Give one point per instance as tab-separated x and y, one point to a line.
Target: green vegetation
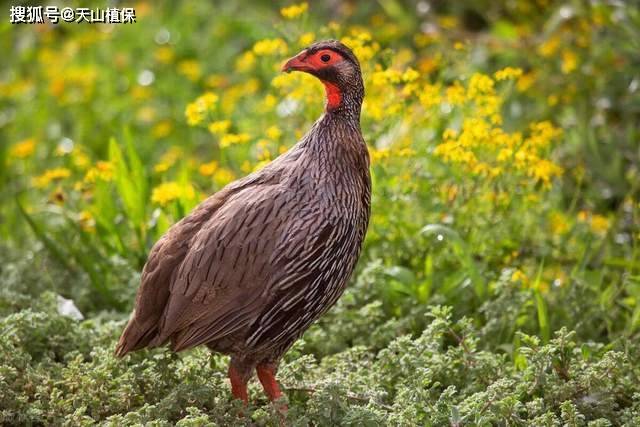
500	281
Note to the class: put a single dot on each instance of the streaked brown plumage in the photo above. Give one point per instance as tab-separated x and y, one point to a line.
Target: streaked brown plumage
249	270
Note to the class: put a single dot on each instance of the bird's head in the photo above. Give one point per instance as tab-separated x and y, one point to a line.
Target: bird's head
337	68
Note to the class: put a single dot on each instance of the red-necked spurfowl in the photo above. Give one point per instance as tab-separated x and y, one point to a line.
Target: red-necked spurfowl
254	265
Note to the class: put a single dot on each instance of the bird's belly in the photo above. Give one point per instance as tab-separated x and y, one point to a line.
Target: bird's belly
312	269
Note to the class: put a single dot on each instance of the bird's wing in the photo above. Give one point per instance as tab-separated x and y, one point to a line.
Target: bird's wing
223	275
166	256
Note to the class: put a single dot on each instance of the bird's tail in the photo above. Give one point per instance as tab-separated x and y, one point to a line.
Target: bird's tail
134	337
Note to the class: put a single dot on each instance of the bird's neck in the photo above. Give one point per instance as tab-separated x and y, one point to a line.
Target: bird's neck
334	132
343	102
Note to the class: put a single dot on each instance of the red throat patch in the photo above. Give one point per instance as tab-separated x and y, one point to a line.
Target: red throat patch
334	95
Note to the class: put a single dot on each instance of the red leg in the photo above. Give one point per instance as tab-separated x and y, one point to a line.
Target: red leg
267	375
238	385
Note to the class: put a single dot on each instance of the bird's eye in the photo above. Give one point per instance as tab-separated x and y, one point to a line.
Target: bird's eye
325	58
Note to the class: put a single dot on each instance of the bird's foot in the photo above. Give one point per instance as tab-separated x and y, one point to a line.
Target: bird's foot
267	376
238	385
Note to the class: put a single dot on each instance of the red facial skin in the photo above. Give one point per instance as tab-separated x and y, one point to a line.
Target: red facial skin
314	63
334	96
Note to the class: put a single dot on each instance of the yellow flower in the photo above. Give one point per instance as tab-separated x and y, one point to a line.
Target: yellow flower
519	276
50	175
15	88
260	165
583	216
87	223
102	170
569	61
558	223
168	159
425	39
80	159
455	94
249	87
543	286
361	45
162	129
207	169
406	152
410	75
599	224
273	133
246	166
480	84
215	80
373	109
385	77
161	167
430	95
194	114
219	127
268	103
74	84
268	47
378	154
23	149
208	99
429	64
197	110
230	139
526	81
140	93
223	176
489	106
306	39
167	192
482	147
448	21
377	20
164	54
544	170
245	62
190	68
333	26
294	11
542	133
146	114
449	134
549	47
508	73
263	154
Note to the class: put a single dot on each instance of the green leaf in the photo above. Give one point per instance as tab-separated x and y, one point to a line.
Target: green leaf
401	274
55	249
504	30
131	186
541	307
462	251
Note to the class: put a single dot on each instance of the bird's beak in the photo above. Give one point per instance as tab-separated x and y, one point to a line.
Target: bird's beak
297	63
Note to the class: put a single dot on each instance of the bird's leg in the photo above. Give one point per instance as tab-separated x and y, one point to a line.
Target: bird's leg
267	375
239	378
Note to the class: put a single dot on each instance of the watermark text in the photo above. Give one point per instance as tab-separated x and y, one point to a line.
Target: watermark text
54	15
